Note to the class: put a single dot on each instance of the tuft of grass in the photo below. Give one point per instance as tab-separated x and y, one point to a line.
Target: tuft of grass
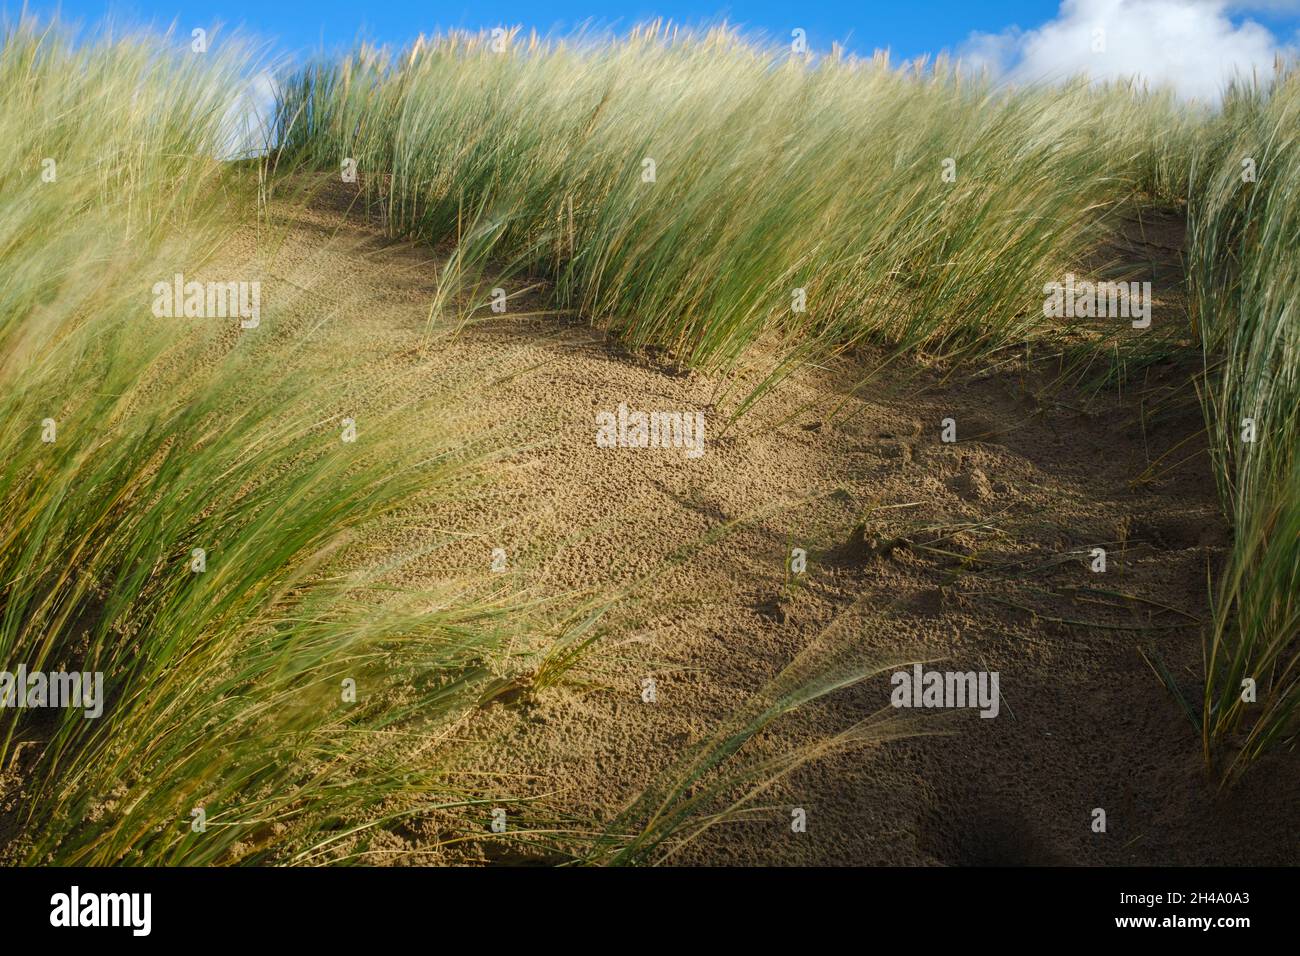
770	174
1246	288
224	687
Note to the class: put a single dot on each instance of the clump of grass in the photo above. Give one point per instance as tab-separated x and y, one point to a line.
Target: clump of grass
1246	287
224	687
770	174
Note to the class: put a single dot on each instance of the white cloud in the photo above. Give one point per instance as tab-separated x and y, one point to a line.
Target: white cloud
1192	45
246	127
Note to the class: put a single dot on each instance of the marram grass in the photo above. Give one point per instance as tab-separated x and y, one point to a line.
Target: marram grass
1244	225
690	191
131	440
693	191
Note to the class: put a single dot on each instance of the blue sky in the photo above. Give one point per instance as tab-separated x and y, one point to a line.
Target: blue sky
1188	43
908	28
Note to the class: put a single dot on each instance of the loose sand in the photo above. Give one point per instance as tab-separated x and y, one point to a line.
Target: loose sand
1011	512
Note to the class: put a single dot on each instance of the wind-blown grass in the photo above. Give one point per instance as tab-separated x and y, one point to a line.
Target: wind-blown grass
1243	231
771	174
224	688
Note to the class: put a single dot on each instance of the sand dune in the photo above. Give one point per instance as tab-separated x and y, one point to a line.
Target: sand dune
974	555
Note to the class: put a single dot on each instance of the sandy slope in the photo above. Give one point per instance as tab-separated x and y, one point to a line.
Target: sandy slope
1083	722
